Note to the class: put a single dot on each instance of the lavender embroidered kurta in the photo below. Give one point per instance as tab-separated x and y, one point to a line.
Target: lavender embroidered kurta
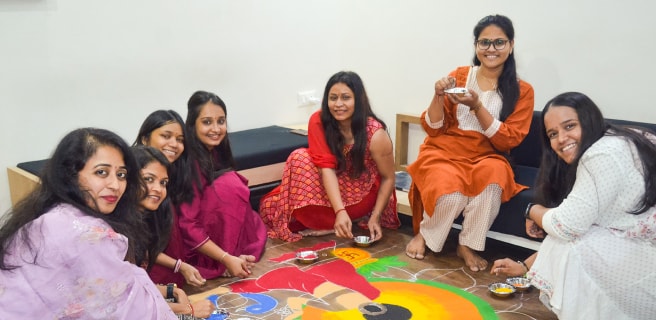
80	273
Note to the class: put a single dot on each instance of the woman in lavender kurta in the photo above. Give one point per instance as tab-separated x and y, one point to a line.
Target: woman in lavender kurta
221	234
66	251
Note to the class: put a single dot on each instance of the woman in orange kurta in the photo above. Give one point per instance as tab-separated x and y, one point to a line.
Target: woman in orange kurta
461	167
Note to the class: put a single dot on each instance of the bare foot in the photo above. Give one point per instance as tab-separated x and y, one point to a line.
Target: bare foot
316	233
472	259
416	248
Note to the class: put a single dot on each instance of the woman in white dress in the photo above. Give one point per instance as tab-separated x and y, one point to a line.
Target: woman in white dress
597	195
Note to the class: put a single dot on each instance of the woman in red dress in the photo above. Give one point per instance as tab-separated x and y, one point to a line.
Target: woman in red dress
347	173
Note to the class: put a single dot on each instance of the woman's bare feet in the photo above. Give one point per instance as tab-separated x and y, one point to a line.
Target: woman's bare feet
316	233
472	259
416	248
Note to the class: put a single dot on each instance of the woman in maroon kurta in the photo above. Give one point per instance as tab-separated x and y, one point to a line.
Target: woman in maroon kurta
164	130
347	173
221	234
215	229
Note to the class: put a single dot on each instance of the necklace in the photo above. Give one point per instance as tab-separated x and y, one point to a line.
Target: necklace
490	82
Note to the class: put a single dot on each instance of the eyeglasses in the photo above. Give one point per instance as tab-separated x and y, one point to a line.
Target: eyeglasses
498	44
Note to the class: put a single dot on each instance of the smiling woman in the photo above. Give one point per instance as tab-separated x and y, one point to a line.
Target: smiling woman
596	195
346	174
462	166
103	178
84	215
216	230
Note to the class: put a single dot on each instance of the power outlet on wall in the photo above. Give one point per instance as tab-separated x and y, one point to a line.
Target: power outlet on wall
307	98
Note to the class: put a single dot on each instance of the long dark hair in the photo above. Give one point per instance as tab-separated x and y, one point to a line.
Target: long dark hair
361	114
180	180
507	86
210	163
59	184
556	178
160	221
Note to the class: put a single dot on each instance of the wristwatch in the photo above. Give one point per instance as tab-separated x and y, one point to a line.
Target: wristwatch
528	210
169	290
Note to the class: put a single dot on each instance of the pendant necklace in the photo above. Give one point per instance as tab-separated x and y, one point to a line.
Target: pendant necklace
490	82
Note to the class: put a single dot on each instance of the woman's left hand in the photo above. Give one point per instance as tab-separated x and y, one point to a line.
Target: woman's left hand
469	99
343	225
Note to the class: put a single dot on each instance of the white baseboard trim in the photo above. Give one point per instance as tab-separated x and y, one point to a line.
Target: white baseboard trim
507	238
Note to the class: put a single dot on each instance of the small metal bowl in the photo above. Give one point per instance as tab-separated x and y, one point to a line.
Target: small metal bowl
502	290
307	257
520	283
457	91
362	241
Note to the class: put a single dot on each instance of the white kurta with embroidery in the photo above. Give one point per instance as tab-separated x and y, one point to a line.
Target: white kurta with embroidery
598	261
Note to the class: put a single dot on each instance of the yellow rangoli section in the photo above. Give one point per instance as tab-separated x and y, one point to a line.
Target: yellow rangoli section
356	257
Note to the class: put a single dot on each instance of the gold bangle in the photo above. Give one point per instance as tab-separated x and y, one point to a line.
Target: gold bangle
223	256
475	109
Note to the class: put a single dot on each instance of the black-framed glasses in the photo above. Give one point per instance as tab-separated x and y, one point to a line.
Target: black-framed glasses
498	44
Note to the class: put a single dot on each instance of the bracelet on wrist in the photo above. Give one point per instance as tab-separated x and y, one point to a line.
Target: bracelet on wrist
223	256
527	213
191	309
178	264
523	265
169	290
475	109
340	210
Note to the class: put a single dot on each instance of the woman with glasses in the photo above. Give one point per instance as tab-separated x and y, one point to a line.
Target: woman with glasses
462	165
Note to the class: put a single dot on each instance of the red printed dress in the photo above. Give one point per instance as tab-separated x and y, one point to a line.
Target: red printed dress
301	201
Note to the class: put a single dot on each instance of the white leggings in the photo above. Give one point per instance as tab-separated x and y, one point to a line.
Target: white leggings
479	213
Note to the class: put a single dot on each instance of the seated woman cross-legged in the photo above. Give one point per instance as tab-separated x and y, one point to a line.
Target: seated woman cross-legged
347	173
165	131
220	233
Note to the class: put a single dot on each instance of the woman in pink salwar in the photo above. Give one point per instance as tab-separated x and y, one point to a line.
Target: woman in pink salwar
67	250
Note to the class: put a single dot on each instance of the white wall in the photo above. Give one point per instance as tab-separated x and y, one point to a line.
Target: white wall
71	63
